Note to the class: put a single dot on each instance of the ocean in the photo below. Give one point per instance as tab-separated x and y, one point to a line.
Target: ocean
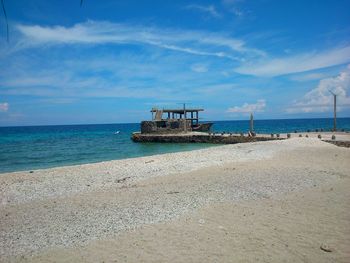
37	147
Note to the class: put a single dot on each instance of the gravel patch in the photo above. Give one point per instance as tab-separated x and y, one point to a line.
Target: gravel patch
70	206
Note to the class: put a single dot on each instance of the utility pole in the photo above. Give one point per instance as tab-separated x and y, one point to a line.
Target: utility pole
251	128
185	122
334	111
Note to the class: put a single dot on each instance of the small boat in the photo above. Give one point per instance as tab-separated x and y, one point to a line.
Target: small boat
202	127
117	132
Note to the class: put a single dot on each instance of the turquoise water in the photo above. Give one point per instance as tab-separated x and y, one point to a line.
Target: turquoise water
27	148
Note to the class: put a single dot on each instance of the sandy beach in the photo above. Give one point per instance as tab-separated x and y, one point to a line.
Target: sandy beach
274	201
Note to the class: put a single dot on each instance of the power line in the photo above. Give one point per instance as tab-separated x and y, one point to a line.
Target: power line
6	20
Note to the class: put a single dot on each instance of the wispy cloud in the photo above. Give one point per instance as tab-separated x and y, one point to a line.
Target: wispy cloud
210	9
231	2
308	76
259	106
320	98
232	6
4	107
199	68
95	32
297	63
126	75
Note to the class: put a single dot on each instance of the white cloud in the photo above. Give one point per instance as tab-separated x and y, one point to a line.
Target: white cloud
259	106
298	63
4	107
231	2
95	32
308	76
199	68
232	7
129	76
320	99
211	10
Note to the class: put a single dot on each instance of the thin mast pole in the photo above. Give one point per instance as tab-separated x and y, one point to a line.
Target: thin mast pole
185	124
335	113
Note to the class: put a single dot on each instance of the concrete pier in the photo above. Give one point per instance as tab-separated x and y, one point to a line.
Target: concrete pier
199	137
337	138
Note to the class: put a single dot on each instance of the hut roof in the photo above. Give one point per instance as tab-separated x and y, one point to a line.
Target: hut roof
180	111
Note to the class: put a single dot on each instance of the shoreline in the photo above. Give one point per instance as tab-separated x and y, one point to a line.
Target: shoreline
74	206
105	161
342	138
111	160
140	167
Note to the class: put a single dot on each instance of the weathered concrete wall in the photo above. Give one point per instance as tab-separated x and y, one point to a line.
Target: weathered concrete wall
148	126
166	126
217	139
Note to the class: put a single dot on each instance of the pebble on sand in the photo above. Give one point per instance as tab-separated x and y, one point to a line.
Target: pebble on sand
326	248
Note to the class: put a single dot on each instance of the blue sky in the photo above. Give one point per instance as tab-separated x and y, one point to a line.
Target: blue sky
111	61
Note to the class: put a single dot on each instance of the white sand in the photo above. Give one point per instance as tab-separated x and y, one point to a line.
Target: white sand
83	213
